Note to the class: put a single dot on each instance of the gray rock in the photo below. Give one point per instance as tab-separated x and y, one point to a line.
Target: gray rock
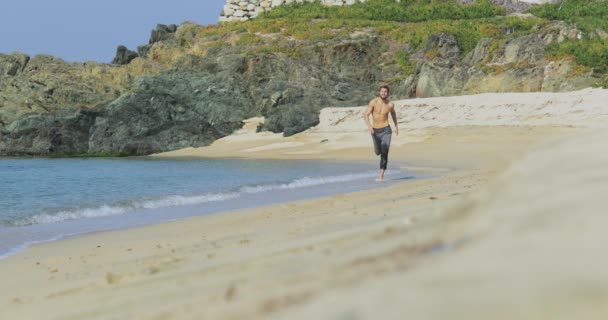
12	64
436	78
63	133
480	53
143	50
165	112
529	49
162	32
442	45
124	55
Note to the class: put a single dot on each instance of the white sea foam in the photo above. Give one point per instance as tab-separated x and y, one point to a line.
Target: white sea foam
307	182
71	215
172	201
177	200
106	210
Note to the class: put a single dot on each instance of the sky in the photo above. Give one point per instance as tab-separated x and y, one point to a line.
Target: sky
85	30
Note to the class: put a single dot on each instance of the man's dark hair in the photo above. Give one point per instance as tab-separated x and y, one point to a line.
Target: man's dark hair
385	87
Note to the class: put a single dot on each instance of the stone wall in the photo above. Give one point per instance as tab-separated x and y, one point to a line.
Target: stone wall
241	10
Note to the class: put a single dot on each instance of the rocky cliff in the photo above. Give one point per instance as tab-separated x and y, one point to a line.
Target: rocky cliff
193	84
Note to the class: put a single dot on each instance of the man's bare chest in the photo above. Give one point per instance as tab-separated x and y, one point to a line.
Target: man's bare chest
381	108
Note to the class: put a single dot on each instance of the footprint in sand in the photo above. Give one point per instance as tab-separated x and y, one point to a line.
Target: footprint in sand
165	264
113	278
230	293
154	270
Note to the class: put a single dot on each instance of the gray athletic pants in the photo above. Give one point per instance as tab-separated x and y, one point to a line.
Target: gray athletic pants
382	142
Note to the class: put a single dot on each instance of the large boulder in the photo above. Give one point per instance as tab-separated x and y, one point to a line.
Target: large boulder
124	55
440	71
516	79
516	65
564	76
437	78
63	133
170	111
291	92
162	32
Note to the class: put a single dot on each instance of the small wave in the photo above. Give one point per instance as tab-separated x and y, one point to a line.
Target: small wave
172	201
307	182
71	215
106	210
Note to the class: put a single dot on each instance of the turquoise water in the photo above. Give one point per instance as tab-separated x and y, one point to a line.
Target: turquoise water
48	199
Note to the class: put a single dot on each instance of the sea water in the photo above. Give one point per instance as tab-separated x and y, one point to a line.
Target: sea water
48	199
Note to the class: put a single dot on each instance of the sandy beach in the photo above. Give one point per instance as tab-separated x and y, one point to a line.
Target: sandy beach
510	227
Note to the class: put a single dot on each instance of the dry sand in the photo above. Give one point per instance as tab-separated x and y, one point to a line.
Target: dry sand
511	228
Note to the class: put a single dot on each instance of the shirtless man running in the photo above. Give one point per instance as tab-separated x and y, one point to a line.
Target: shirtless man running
380	130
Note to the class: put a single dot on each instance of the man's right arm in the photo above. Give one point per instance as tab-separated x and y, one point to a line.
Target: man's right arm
370	109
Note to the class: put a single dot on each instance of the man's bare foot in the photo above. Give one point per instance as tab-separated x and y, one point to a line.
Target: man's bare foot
380	180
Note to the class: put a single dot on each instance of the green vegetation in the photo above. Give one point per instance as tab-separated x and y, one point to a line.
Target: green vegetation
603	83
288	29
403	59
589	16
589	53
586	14
408	22
388	10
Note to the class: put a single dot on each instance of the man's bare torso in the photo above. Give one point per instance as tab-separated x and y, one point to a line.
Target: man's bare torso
380	112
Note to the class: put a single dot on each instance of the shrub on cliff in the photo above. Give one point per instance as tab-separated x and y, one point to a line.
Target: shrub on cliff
591	17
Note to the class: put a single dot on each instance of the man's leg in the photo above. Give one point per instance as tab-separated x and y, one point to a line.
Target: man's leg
384	148
377	142
383	161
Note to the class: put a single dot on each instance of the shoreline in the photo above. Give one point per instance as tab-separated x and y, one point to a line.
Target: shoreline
247	196
114	258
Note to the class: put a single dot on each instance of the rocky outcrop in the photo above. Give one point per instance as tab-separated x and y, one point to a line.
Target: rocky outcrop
164	112
202	99
514	65
191	89
440	71
65	132
124	55
160	33
45	84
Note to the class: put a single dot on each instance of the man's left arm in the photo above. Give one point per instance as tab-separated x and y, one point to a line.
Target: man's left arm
394	116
